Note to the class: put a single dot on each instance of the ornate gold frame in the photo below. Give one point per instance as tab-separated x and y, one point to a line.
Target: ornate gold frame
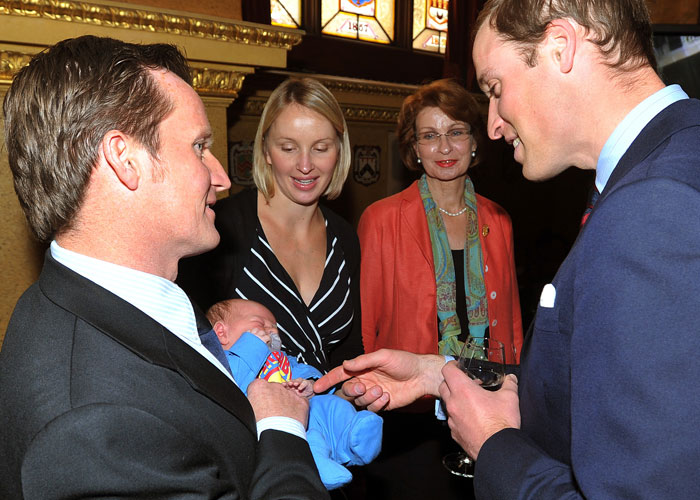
120	16
254	106
217	72
10	63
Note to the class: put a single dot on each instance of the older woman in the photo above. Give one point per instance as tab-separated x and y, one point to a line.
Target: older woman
279	246
437	257
437	267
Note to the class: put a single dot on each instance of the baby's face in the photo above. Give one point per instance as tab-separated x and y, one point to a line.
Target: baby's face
251	316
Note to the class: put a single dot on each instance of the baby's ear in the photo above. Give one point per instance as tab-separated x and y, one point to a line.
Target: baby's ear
221	332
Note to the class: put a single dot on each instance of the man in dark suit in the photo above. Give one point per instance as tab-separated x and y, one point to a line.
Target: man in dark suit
607	405
106	388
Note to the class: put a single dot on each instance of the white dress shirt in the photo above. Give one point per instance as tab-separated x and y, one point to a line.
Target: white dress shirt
165	302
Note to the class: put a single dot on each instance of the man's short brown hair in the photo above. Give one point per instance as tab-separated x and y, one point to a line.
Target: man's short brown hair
620	28
61	105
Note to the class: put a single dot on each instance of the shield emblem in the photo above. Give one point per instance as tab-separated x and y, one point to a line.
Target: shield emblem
362	7
365	168
276	368
437	14
240	160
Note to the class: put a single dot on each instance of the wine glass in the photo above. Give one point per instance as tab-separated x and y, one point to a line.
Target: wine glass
482	360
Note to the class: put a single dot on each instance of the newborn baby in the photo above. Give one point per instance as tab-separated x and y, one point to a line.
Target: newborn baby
337	433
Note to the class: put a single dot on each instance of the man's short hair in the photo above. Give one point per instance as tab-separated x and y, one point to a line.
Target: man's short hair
620	28
313	95
61	105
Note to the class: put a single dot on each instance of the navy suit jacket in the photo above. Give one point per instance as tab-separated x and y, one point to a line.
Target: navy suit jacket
99	400
609	393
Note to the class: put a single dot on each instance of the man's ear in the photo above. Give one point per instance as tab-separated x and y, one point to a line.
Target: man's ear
562	43
121	155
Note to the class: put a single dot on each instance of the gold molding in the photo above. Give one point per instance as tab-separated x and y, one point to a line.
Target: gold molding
253	106
152	21
370	113
11	63
217	83
206	81
354	85
367	88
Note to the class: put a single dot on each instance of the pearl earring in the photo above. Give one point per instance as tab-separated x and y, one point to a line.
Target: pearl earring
473	154
419	160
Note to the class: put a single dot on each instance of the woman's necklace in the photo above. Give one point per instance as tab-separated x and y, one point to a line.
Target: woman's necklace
452	214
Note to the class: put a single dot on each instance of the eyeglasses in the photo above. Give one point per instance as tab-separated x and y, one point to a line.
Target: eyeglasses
455	136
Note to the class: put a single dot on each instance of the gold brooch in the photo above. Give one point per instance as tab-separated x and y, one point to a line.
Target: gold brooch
485	230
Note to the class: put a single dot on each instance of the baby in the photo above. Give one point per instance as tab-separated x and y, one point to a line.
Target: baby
338	434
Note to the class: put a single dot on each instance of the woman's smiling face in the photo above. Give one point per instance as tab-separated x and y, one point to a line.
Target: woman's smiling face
446	159
302	148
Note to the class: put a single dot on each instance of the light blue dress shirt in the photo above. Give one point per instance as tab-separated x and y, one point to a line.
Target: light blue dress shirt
627	131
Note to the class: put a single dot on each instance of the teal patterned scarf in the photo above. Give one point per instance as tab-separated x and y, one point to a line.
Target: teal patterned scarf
475	290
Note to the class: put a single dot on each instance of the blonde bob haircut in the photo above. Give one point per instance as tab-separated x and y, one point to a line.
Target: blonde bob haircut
313	95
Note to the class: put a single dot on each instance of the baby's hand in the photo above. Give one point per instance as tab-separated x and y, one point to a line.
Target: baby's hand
261	334
301	386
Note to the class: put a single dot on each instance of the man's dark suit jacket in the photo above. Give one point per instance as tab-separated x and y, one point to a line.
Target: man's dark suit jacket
609	390
99	400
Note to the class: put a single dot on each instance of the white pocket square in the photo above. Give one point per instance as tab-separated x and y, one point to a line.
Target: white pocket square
549	294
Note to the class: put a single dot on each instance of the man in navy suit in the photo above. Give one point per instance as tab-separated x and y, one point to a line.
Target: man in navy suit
608	404
106	389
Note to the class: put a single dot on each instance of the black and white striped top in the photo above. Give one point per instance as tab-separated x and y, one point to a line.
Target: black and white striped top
322	334
307	332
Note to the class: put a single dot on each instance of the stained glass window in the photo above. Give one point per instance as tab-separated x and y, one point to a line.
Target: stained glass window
430	25
286	13
368	20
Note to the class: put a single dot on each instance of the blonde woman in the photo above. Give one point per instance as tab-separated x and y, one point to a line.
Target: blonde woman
279	245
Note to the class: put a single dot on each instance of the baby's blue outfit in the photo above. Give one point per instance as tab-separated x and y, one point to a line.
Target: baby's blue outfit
337	433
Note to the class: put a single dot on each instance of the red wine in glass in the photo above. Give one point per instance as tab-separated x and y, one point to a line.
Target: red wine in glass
482	360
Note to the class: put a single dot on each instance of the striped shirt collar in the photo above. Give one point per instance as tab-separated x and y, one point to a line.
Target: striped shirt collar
159	298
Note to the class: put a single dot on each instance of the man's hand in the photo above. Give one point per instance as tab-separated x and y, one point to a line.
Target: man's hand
475	414
386	379
270	399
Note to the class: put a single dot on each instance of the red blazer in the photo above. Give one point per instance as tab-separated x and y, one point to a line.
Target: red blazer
397	278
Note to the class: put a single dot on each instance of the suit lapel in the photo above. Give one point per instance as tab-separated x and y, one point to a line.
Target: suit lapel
142	335
203	324
660	128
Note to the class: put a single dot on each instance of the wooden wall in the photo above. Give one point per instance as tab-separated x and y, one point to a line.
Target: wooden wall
675	11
